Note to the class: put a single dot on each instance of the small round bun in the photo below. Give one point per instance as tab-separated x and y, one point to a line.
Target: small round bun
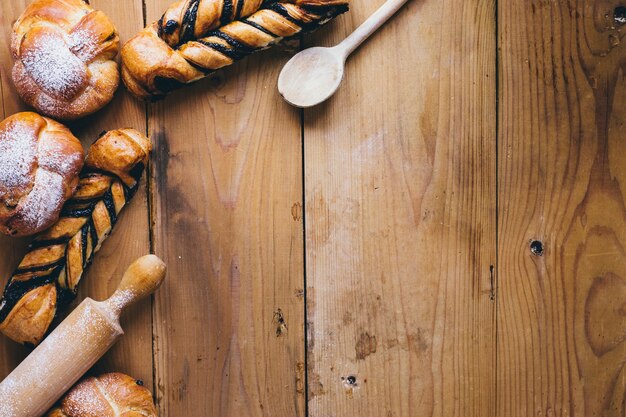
40	161
109	395
64	53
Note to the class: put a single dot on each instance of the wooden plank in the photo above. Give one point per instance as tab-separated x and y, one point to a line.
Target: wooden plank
10	248
400	219
229	323
9	12
130	238
562	176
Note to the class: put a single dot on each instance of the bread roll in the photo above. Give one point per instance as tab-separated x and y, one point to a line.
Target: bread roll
109	395
64	51
39	164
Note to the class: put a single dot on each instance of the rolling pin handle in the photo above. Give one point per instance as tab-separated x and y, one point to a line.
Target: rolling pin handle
141	279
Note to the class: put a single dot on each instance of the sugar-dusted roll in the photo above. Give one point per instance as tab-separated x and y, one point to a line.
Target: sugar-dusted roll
64	53
108	395
40	161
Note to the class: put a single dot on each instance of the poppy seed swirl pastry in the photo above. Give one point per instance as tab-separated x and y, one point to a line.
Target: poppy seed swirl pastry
47	278
196	37
64	54
40	161
108	395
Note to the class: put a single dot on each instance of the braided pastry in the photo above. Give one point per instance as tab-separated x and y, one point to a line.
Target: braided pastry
197	37
64	51
47	278
108	395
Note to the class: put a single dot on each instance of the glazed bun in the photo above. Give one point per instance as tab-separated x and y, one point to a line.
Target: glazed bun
109	395
39	164
64	53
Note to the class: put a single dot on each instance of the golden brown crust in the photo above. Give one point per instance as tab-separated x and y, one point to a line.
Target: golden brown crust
175	27
33	314
197	37
48	276
119	153
109	395
64	51
39	164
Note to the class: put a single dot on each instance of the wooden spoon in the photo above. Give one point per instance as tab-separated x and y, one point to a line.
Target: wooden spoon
313	75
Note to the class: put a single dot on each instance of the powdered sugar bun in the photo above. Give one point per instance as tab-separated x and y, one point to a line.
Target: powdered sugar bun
109	395
64	54
39	164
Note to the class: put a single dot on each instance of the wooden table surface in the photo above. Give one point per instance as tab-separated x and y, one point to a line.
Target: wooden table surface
446	236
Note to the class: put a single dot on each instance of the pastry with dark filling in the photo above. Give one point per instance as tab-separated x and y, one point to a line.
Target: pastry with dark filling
47	278
193	38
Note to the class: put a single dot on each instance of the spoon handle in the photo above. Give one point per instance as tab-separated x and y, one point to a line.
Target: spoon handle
375	21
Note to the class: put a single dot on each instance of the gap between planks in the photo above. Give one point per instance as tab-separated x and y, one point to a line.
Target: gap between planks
496	268
151	217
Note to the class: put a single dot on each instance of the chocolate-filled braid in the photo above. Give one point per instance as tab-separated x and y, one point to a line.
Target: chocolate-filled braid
46	279
187	20
182	48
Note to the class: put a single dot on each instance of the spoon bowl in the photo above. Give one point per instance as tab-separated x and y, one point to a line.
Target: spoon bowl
314	74
311	76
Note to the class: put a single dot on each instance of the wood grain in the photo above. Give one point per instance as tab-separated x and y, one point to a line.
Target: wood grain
562	173
130	238
465	256
229	323
9	12
400	219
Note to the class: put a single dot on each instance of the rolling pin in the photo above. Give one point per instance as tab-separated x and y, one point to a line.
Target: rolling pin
75	345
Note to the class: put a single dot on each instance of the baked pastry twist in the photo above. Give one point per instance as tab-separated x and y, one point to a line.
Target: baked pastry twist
109	395
64	51
196	37
48	275
39	164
